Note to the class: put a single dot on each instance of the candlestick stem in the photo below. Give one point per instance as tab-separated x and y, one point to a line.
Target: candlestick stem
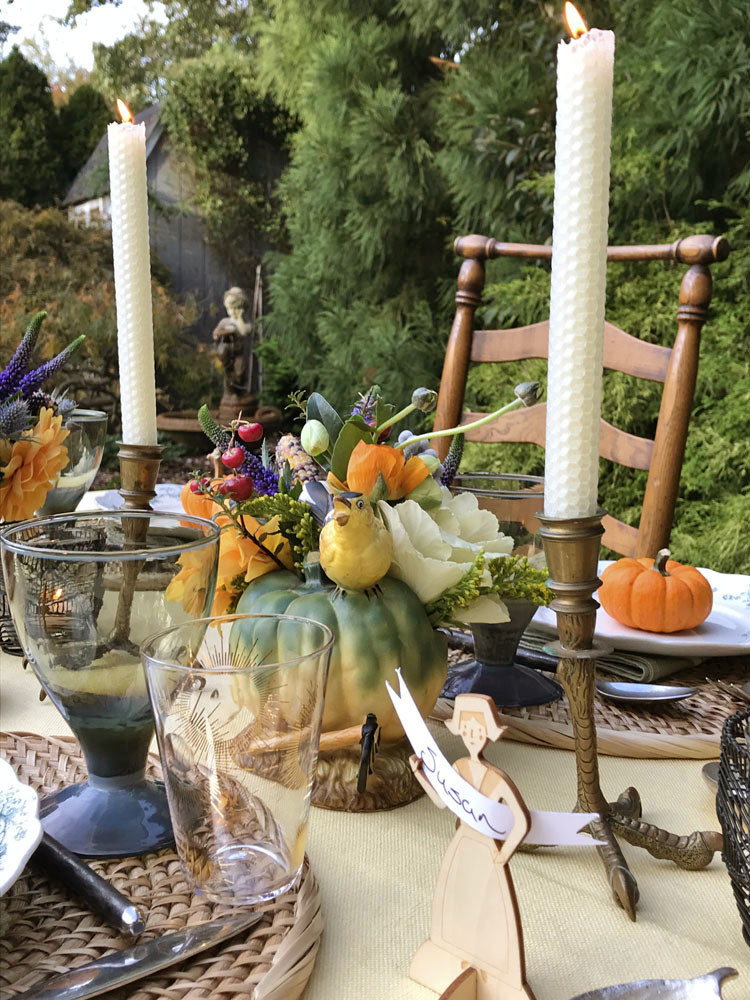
571	546
139	469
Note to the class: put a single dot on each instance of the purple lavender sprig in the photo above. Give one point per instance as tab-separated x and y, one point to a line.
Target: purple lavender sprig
31	382
367	404
19	363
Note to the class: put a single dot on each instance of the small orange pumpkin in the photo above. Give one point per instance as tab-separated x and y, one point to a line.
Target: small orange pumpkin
658	595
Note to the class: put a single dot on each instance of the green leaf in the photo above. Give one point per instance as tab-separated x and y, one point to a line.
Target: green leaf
318	408
351	434
264	455
379	490
383	412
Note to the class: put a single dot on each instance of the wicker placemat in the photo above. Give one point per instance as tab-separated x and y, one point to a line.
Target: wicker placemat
689	728
43	931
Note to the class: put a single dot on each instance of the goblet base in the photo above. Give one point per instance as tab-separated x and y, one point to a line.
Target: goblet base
109	817
509	686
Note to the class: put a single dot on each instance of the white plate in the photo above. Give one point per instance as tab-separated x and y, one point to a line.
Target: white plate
726	631
20	829
166	501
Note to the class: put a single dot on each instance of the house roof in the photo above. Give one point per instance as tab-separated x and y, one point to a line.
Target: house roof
92	180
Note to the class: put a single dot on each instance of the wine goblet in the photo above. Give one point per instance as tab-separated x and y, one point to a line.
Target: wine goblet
85	590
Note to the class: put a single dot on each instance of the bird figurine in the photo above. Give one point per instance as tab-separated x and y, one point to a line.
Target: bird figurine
356	548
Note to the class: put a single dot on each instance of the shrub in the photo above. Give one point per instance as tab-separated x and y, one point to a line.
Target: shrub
46	262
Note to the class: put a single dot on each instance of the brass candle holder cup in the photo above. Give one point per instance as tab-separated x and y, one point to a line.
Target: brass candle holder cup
571	546
139	470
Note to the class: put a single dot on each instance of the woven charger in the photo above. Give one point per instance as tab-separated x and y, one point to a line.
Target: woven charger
44	931
677	729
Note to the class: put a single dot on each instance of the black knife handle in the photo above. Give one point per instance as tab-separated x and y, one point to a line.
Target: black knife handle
103	898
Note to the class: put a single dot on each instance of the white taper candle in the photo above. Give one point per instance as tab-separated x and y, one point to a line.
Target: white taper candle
579	258
130	246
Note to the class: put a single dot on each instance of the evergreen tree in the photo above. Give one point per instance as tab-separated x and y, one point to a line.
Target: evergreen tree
30	162
357	299
83	121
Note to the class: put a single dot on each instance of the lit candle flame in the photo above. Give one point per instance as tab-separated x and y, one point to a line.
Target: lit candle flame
573	21
124	111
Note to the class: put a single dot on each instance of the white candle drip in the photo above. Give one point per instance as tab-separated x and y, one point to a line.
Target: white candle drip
130	247
579	257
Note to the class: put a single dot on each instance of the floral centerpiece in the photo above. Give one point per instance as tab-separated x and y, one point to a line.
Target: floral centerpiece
343	526
32	452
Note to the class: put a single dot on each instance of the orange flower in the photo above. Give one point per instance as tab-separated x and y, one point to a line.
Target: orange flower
191	583
368	462
241	560
31	465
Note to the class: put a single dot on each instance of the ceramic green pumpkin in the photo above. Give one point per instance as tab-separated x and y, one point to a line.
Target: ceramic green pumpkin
374	635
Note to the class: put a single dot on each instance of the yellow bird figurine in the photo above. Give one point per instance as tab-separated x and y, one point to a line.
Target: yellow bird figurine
355	546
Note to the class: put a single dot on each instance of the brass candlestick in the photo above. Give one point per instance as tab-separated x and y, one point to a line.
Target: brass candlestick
139	469
571	546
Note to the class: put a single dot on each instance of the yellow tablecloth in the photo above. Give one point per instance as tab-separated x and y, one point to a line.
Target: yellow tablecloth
378	871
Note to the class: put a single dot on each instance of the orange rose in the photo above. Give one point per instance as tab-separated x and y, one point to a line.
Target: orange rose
31	466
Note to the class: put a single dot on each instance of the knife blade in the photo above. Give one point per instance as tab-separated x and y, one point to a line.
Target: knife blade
123	967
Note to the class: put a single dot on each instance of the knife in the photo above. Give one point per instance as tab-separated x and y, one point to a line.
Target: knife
61	864
123	967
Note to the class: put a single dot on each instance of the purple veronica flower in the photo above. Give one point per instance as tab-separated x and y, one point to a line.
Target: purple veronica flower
31	382
19	363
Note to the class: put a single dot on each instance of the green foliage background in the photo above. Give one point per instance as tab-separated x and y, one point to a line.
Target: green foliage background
409	122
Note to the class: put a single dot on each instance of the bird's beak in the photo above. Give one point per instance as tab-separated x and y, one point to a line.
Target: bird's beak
341	510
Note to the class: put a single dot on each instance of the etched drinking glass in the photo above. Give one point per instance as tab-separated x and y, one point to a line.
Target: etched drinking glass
85	590
238	703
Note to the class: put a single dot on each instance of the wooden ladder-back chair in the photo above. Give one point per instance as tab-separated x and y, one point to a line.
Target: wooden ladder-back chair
676	367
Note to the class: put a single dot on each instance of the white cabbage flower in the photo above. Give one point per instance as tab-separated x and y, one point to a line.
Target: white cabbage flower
432	550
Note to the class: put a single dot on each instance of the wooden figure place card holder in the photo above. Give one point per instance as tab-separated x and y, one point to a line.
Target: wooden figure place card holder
475	949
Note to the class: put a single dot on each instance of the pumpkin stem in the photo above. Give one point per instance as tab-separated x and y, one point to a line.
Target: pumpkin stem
660	563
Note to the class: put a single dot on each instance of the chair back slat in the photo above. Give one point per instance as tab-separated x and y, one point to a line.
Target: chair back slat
529	427
622	353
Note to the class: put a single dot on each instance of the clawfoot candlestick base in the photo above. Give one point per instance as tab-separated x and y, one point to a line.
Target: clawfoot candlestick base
571	546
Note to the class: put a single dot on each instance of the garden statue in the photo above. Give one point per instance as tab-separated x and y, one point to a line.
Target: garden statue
234	339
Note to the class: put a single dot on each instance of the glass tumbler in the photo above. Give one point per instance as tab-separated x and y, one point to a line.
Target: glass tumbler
238	703
84	591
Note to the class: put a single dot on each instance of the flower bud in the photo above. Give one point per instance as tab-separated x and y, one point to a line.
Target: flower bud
431	461
528	392
424	400
314	438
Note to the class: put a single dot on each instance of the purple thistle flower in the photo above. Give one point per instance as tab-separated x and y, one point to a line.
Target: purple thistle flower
14	418
19	363
31	382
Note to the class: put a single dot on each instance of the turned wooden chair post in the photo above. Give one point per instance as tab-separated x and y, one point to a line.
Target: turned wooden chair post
677	397
458	351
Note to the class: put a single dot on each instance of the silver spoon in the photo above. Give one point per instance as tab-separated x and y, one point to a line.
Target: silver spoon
631	691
